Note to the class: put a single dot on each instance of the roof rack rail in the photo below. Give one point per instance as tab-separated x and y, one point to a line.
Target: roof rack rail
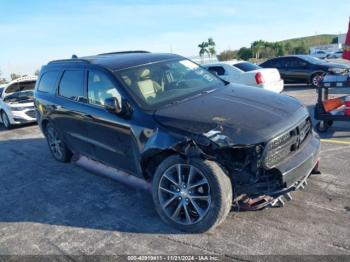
125	52
73	60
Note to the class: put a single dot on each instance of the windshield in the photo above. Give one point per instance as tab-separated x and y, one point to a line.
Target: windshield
20	92
18	97
246	67
165	82
21	86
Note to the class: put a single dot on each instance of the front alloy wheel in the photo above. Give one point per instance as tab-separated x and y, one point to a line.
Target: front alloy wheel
184	194
193	194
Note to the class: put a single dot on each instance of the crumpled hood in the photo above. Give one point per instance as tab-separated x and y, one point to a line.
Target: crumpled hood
239	114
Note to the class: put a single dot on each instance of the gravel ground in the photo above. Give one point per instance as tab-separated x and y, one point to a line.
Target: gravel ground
51	208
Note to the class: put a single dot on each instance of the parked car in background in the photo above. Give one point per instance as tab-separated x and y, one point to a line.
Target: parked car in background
303	68
16	102
248	74
320	54
336	54
163	118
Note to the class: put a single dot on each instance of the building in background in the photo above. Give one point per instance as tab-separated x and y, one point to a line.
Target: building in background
341	39
330	48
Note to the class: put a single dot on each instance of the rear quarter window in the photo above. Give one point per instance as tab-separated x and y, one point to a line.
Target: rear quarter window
71	85
48	82
219	70
276	63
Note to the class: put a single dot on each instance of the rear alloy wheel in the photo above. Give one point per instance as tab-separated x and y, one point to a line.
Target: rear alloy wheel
57	147
316	80
5	120
193	195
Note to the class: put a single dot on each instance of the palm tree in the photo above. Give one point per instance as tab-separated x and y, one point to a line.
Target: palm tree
211	46
207	48
256	46
203	49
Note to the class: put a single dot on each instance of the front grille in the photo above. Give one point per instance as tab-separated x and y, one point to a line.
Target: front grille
282	146
31	113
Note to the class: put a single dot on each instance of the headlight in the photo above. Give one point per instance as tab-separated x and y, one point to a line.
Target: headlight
17	108
337	71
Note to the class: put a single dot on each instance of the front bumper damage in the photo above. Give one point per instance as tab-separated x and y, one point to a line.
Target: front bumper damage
294	174
274	199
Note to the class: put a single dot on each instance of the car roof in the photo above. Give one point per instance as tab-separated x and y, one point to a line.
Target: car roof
119	60
22	79
289	56
230	63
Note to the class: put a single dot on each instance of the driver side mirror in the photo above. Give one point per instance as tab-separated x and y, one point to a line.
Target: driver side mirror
112	105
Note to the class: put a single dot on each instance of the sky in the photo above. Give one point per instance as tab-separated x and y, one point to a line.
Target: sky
34	32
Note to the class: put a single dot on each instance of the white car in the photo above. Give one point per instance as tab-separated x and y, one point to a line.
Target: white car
248	74
16	102
336	54
320	54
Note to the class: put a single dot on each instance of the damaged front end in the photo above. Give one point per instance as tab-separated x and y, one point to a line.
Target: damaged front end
262	174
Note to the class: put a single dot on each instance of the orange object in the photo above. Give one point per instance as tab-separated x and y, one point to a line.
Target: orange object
347	106
331	104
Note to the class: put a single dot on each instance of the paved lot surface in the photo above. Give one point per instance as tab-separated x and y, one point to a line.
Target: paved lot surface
52	208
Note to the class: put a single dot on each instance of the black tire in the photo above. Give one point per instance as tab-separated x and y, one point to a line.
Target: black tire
51	134
315	79
220	194
323	128
5	120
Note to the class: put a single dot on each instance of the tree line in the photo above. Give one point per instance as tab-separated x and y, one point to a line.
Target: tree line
263	50
258	50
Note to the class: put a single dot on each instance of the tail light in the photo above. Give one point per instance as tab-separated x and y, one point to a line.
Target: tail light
259	78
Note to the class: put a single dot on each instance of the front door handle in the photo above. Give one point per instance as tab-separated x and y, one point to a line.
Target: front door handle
56	107
89	116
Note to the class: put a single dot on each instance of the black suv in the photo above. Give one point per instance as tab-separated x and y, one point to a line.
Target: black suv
303	68
202	142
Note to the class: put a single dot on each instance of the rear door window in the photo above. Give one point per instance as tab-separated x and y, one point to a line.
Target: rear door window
72	85
280	63
295	63
275	63
48	82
